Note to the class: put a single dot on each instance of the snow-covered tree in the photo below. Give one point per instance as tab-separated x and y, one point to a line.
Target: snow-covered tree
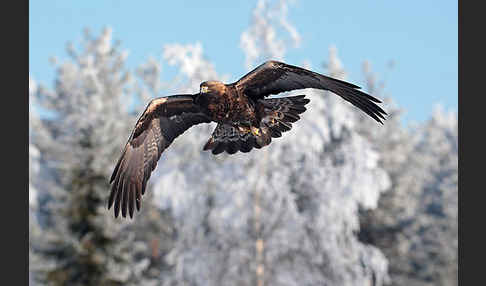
79	242
269	34
415	223
33	153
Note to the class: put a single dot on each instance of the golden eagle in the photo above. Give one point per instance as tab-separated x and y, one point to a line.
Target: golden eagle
245	119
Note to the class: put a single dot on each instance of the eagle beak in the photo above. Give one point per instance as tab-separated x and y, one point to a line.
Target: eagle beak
204	89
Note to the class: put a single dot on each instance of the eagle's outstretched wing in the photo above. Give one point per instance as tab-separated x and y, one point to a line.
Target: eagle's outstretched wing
274	77
162	121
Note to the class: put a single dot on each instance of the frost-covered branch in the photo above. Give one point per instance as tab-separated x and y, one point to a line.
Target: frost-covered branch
262	40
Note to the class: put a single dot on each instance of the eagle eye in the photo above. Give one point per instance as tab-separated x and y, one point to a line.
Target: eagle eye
204	89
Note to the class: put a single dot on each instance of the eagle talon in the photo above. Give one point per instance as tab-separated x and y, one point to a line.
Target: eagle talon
255	131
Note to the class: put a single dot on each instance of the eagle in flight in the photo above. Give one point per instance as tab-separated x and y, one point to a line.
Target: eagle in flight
245	119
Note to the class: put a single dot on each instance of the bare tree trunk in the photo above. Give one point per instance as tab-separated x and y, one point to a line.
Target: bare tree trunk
259	243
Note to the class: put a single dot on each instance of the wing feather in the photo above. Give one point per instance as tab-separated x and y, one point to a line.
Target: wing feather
131	199
274	77
124	196
163	120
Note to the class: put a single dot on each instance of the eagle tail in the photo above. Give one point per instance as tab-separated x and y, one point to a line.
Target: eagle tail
230	138
277	116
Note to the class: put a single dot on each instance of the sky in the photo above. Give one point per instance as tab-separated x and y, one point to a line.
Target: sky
419	37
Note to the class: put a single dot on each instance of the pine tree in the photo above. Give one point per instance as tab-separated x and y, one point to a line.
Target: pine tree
415	224
78	134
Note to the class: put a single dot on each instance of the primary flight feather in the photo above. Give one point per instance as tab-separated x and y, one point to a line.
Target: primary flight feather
245	119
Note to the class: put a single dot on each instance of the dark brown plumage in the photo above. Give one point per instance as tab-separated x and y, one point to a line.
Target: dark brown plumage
246	120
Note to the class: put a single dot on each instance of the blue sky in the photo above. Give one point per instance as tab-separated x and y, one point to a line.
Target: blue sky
419	36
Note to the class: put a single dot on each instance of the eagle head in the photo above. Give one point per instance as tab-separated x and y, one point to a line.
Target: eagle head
212	87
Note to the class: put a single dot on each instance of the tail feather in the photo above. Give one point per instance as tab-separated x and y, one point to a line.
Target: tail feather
277	116
231	139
